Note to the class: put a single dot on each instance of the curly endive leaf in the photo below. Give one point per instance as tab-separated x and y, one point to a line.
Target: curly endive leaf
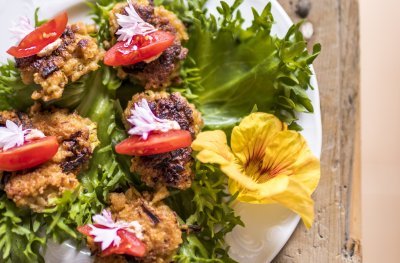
14	94
206	206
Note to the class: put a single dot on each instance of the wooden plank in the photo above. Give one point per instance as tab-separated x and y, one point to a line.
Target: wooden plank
335	235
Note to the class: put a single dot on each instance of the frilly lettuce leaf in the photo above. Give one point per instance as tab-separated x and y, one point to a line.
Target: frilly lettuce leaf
14	94
206	209
233	69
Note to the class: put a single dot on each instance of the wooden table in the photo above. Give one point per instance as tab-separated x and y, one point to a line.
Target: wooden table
335	235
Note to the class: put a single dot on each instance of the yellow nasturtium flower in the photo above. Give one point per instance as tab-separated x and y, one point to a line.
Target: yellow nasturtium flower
267	163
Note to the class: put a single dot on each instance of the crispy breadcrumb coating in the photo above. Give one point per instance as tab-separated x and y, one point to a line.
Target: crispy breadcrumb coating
162	234
160	71
77	55
173	168
77	137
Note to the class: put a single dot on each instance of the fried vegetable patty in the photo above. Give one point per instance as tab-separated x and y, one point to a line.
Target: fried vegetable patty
159	72
161	231
76	55
77	136
171	169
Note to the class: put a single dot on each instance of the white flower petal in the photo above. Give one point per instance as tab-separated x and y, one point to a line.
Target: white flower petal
12	126
144	121
21	28
132	25
109	236
13	135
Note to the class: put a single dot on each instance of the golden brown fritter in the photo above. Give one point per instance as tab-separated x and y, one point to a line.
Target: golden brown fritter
76	55
162	234
173	168
77	137
158	72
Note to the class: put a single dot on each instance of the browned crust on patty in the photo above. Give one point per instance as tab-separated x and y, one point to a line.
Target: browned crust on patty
163	70
171	169
162	234
77	55
77	136
171	106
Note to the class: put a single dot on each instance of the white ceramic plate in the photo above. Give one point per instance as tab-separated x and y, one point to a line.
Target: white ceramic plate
268	227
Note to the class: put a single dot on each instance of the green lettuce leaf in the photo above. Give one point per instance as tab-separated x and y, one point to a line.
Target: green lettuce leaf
233	69
206	209
14	94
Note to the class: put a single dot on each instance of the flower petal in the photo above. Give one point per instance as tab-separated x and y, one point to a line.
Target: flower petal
289	154
254	192
297	199
213	148
269	164
253	135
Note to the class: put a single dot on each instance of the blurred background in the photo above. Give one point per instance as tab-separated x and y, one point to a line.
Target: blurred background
380	131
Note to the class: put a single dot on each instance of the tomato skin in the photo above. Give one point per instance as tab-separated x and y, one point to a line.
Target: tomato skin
29	155
85	230
156	143
42	36
147	47
130	244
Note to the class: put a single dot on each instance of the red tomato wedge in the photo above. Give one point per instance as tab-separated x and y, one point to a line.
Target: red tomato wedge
42	36
141	48
29	155
156	143
130	244
85	230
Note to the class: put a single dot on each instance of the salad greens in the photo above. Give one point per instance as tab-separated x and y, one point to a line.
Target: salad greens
206	205
233	69
230	72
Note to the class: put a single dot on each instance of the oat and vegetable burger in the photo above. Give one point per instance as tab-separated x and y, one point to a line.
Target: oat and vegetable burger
41	154
147	43
146	230
55	54
162	127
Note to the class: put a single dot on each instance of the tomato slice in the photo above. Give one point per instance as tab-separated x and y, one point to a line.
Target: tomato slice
156	143
141	48
29	155
42	36
85	230
130	244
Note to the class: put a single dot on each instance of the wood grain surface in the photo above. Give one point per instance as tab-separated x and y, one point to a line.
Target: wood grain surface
335	235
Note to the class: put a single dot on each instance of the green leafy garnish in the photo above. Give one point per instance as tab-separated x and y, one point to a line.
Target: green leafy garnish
238	68
14	94
206	206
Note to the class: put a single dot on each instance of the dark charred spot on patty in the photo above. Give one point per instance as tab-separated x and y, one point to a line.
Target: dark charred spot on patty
49	69
81	154
150	214
172	169
131	259
47	65
83	43
174	108
159	71
146	12
4	178
17	117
